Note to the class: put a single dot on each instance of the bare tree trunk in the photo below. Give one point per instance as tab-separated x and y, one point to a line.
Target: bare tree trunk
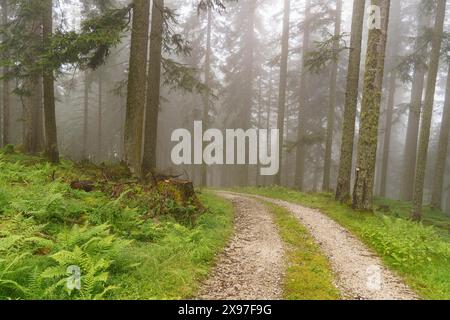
439	173
260	108
269	115
394	31
302	111
100	117
424	138
38	114
87	84
412	134
283	84
51	137
208	84
351	103
137	78
6	88
248	90
153	88
326	186
370	112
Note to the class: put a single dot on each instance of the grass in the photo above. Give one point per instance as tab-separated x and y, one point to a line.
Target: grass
173	267
420	252
129	240
308	273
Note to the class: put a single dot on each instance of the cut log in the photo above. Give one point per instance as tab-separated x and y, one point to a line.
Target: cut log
87	186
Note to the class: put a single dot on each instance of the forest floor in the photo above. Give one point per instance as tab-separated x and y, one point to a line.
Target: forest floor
359	244
129	240
352	262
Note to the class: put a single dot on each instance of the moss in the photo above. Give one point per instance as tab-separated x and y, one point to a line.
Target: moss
308	274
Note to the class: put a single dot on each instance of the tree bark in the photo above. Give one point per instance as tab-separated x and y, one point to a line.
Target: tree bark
302	110
428	110
439	173
136	86
351	103
283	85
51	137
153	88
326	185
370	111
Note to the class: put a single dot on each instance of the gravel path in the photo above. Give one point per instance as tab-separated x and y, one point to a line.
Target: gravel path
360	274
251	267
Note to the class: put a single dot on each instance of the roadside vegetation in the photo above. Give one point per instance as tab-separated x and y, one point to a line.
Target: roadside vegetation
129	240
308	272
420	252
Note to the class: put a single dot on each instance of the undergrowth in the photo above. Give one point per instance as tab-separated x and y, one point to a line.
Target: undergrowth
126	239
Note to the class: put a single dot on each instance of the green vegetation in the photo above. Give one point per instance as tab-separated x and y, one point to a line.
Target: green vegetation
308	274
419	252
130	241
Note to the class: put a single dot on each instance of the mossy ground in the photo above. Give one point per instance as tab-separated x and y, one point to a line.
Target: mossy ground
308	273
128	240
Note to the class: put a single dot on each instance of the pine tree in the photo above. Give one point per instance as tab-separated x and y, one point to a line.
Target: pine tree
394	46
351	102
6	88
283	84
87	88
136	92
153	87
425	129
370	111
415	110
439	173
326	186
206	96
51	137
302	110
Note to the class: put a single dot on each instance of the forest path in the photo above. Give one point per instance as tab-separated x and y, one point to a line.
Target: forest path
359	272
252	265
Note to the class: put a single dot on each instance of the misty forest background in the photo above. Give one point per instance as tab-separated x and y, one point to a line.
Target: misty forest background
361	111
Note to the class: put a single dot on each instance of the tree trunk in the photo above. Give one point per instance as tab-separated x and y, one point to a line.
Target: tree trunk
428	111
207	84
247	101
269	118
326	186
439	173
153	88
38	115
137	78
302	111
394	31
370	111
351	103
6	88
51	137
100	117
283	85
412	134
260	108
87	84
